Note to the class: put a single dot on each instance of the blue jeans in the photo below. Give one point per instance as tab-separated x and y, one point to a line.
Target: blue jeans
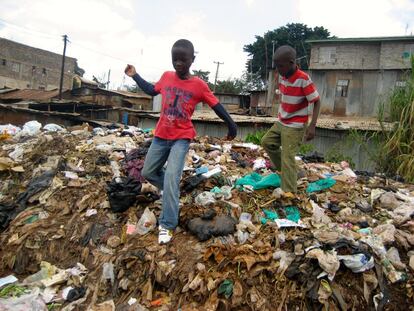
167	180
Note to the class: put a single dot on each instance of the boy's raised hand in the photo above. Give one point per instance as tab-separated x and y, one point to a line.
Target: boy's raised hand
130	70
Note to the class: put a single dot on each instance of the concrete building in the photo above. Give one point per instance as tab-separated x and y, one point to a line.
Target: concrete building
355	75
26	67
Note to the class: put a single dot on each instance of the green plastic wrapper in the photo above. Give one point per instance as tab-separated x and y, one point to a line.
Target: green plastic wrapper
320	185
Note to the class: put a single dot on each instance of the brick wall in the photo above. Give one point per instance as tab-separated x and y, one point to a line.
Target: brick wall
22	66
375	55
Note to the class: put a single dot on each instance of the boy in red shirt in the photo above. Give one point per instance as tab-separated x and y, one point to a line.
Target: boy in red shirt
180	92
281	142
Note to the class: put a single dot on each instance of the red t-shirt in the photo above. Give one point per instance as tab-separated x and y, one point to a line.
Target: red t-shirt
298	92
179	98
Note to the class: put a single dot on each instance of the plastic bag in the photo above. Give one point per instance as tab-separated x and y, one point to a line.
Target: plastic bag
318	215
321	184
292	213
205	198
31	128
328	260
258	182
393	256
51	127
9	129
32	302
108	272
285	260
147	222
269	215
259	163
226	288
245	228
46	271
358	262
223	192
271	180
98	131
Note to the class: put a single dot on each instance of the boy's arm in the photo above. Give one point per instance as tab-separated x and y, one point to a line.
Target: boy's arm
147	87
224	115
310	131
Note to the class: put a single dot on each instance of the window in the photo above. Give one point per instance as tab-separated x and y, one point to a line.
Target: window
4	62
342	88
15	67
408	51
327	55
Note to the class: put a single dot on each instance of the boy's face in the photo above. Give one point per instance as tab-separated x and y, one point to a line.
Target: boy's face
182	59
284	65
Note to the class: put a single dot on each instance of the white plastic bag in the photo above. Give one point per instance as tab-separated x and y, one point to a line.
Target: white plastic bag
51	127
259	163
147	222
31	128
98	131
9	129
357	262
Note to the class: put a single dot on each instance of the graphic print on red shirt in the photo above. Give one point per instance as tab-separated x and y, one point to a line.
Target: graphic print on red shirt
179	98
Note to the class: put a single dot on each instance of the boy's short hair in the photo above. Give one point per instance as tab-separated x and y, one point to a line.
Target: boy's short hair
285	51
184	43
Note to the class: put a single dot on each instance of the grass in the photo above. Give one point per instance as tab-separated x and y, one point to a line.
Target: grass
394	152
305	149
255	137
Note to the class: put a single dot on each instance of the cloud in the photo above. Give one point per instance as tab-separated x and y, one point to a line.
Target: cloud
356	18
249	3
104	35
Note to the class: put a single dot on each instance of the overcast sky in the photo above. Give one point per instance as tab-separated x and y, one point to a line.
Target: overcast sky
106	34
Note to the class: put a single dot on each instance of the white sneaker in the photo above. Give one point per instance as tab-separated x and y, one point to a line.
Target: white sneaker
164	235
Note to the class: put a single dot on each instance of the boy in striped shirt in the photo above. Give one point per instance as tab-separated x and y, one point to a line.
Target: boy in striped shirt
298	92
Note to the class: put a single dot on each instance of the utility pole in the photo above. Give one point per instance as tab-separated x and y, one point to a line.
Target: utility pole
266	57
65	40
109	76
251	69
273	53
215	79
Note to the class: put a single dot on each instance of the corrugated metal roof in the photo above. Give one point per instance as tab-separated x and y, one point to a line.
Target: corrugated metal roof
84	80
30	94
6	90
131	94
366	39
325	122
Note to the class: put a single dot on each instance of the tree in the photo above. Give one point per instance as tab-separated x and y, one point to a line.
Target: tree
203	75
295	35
230	86
248	82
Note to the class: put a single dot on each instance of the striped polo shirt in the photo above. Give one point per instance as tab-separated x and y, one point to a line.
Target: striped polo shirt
298	91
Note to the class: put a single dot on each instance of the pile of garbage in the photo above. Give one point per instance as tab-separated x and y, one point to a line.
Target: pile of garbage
78	229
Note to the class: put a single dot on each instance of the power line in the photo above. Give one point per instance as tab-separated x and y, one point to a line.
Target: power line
55	37
32	31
